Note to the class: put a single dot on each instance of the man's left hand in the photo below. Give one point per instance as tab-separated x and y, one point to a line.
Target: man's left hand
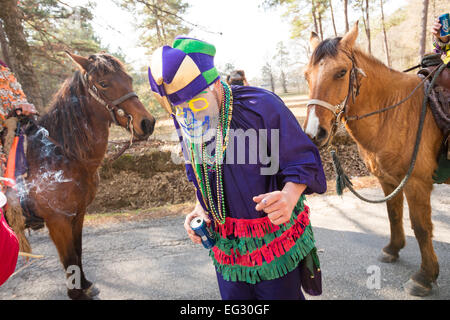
26	109
279	204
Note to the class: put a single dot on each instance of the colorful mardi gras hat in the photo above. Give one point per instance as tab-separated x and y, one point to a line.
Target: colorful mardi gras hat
181	72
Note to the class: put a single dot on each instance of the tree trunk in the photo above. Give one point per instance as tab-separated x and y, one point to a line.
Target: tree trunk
368	27
386	47
365	17
332	18
20	52
272	82
4	45
161	22
283	81
154	10
347	28
313	12
320	26
423	36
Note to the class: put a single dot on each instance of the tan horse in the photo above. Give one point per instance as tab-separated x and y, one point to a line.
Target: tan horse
385	140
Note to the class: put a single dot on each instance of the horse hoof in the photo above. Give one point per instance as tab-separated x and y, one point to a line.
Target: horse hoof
387	257
417	289
78	294
92	291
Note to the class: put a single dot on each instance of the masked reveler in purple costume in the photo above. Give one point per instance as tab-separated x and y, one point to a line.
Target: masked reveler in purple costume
251	164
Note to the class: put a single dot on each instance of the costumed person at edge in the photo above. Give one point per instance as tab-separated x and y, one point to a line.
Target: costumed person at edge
441	44
12	100
256	213
237	77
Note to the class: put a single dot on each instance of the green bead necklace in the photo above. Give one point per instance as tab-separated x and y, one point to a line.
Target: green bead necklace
214	163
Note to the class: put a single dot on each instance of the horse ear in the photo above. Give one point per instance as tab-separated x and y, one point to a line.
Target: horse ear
81	62
350	37
314	41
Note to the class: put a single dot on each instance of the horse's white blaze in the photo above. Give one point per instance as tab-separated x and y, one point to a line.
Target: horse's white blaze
313	123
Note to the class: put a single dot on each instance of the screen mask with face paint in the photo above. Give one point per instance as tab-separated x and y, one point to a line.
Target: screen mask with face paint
198	117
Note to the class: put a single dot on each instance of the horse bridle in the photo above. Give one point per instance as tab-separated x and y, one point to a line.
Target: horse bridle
112	106
340	109
353	91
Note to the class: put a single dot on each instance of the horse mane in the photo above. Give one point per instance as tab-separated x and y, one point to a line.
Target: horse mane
68	120
330	48
326	48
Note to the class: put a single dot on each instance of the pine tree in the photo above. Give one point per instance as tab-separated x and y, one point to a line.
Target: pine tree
20	51
38	32
281	58
159	21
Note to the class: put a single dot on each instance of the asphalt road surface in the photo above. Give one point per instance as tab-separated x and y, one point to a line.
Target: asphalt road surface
154	259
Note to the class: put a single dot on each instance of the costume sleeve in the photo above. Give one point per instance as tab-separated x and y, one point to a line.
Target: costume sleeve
299	159
10	92
440	47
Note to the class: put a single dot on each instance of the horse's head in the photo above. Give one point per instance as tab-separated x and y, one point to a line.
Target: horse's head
108	83
328	75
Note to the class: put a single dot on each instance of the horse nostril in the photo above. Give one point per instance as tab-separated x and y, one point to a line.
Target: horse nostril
148	126
322	134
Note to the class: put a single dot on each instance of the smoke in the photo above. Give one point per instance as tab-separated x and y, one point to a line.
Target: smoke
49	178
48	148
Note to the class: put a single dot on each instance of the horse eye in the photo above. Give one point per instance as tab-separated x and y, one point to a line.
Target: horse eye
103	84
341	74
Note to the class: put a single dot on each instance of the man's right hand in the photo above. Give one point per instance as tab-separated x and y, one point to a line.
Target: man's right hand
197	212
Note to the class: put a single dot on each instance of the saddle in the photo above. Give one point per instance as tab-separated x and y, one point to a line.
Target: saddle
439	104
439	99
429	63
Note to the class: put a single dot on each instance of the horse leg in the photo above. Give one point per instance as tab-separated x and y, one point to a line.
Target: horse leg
389	253
418	196
88	287
60	230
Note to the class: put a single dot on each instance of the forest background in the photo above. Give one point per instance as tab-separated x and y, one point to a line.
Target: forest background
266	38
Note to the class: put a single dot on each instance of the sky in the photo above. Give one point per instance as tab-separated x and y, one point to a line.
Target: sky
244	34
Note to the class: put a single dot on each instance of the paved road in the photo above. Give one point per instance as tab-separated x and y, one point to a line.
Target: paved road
152	259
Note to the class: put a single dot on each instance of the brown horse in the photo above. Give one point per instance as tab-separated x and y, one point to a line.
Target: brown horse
385	140
66	148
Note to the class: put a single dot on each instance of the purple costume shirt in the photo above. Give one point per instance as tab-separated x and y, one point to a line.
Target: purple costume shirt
298	160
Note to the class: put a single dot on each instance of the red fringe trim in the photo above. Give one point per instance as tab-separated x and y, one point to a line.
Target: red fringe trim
276	248
246	228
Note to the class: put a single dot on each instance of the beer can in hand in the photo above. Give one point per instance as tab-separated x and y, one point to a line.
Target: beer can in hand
444	20
201	229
